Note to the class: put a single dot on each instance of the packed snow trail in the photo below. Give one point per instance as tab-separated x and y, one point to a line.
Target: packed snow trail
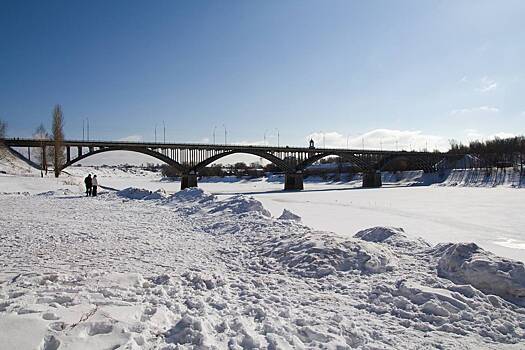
192	271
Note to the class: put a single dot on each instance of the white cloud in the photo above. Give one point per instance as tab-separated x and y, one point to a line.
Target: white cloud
132	138
475	135
464	79
473	110
386	139
487	84
502	135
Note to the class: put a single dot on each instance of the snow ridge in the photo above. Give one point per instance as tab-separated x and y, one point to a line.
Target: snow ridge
190	271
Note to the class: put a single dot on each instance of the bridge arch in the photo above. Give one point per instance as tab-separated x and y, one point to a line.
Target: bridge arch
281	164
145	151
359	162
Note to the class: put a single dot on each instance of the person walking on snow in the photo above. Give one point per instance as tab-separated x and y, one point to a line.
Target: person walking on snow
94	183
88	183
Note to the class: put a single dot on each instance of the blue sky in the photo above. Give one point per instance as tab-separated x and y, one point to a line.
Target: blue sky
379	73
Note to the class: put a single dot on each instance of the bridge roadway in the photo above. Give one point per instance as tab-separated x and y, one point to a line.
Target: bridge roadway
189	158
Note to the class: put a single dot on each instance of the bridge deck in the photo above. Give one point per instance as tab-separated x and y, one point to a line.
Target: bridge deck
20	142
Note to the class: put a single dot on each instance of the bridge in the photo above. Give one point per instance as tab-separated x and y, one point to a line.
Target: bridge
188	158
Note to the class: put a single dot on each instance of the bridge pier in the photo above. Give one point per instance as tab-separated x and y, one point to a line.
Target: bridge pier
372	179
187	181
293	181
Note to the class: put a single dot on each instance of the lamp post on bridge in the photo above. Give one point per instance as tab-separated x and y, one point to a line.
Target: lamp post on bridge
225	134
214	127
155	133
164	125
278	135
264	137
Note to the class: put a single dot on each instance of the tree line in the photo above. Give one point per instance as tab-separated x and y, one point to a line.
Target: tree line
56	153
497	152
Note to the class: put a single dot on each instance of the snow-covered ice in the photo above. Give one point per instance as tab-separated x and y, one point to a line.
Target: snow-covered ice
146	266
193	270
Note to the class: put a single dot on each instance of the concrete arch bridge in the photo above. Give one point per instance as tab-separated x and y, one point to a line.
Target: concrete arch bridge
188	159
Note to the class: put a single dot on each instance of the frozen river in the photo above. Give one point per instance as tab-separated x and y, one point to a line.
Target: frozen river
494	218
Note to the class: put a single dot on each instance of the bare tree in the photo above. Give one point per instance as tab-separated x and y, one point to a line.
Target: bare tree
58	138
3	128
41	134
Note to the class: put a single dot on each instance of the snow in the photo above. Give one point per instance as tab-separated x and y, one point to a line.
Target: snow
193	270
469	264
243	265
142	194
288	215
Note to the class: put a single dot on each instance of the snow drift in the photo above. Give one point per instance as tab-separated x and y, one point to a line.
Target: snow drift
466	263
141	194
194	271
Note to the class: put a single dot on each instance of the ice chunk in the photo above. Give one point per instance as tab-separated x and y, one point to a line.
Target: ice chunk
318	255
468	263
142	194
288	215
392	236
193	194
241	204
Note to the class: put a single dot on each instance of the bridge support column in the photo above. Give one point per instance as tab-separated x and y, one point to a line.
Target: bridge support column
293	181
44	159
187	181
372	179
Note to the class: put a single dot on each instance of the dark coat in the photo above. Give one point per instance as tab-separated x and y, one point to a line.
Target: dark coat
87	181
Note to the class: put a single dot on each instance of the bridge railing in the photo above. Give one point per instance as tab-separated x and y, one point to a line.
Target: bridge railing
23	142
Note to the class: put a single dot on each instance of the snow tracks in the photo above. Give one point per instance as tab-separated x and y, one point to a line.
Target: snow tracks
192	271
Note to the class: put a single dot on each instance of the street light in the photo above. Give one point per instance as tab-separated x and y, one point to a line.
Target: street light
225	134
347	137
164	124
278	141
155	133
264	137
214	127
